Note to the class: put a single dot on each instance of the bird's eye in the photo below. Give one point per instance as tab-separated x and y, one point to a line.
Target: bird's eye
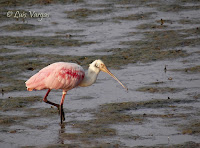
96	65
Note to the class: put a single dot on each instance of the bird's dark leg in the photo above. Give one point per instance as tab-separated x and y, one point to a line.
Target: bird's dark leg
46	101
62	114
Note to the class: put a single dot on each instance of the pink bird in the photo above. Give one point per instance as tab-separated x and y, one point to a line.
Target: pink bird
65	76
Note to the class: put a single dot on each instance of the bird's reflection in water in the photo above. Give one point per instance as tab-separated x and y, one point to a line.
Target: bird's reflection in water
60	132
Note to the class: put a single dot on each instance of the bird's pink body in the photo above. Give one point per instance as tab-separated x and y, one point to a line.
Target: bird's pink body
58	75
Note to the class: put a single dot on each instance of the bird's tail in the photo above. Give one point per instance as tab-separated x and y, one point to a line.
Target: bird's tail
36	82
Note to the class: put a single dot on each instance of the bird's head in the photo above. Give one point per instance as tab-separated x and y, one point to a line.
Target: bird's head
98	66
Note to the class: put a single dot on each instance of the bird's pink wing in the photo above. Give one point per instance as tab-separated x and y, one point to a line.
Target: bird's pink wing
57	76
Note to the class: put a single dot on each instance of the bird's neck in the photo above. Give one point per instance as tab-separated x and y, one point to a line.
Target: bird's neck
90	77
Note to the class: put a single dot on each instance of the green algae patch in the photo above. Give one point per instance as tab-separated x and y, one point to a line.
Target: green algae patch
84	12
7	120
157	83
13	119
41	41
189	144
48	112
60	146
6	50
159	89
90	129
131	2
19	27
189	21
98	132
151	26
177	7
15	3
126	106
16	85
114	118
192	129
44	112
15	103
133	17
190	70
69	31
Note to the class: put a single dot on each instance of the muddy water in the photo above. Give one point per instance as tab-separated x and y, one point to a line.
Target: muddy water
151	46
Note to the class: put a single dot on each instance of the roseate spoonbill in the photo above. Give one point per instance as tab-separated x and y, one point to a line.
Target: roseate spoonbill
65	76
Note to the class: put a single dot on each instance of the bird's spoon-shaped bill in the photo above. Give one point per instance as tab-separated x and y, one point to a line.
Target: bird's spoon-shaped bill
105	69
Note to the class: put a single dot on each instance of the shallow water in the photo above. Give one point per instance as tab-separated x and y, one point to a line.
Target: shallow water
135	45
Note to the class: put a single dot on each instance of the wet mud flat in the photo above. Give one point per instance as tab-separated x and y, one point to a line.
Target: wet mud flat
151	46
